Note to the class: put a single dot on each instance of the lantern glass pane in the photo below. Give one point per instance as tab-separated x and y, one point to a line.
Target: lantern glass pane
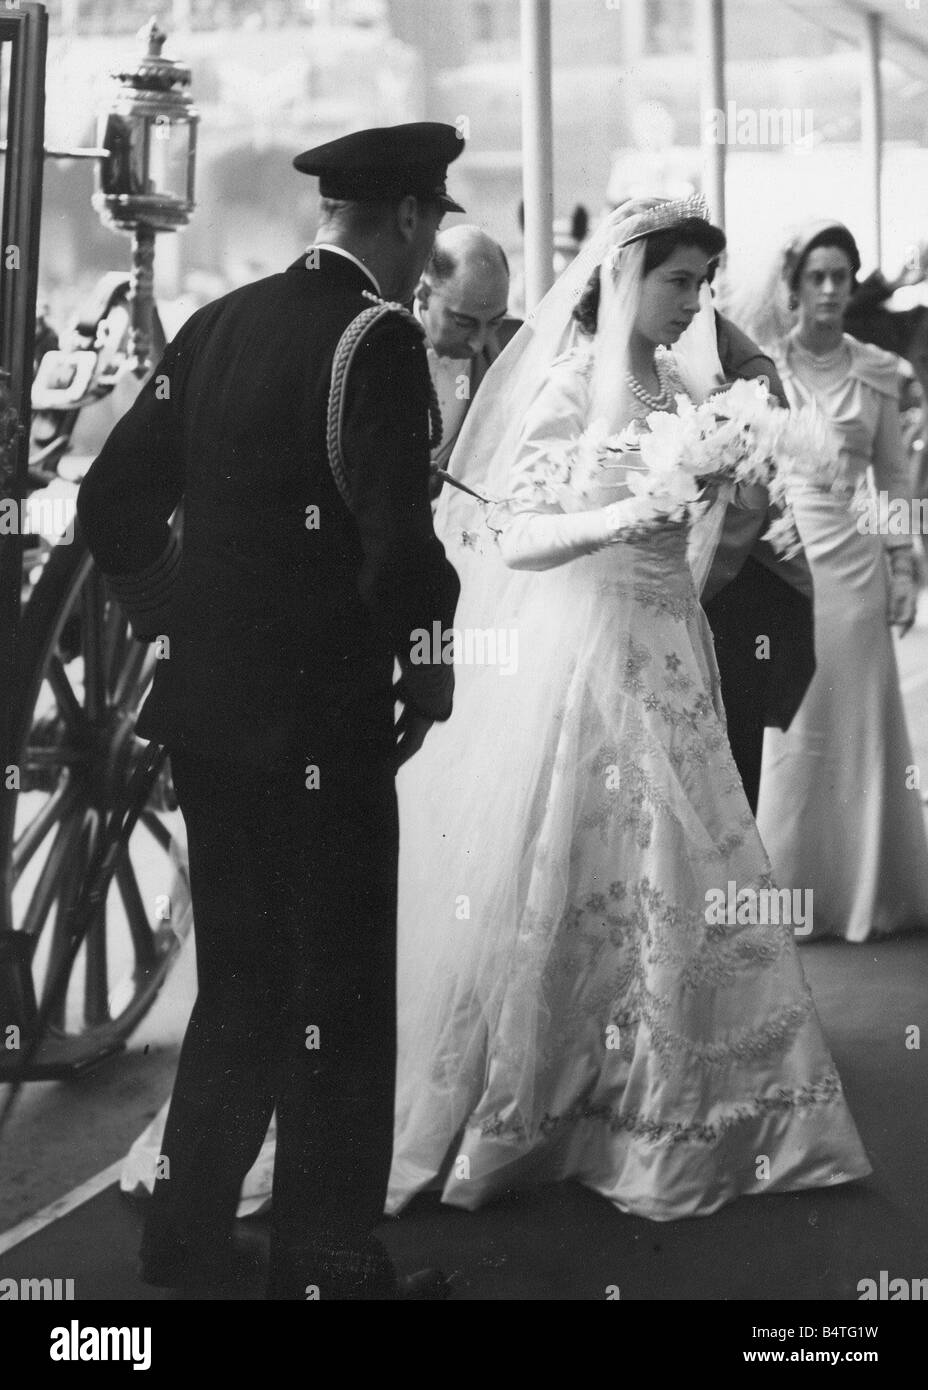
167	159
123	172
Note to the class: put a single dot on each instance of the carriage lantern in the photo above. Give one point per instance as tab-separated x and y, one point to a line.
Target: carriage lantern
145	183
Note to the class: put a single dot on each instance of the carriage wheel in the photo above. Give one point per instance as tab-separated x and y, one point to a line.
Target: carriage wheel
81	681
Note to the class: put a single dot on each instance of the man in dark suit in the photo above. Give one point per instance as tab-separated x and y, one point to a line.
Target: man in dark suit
461	303
283	612
751	592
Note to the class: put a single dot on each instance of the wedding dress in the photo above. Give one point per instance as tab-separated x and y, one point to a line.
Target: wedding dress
614	1035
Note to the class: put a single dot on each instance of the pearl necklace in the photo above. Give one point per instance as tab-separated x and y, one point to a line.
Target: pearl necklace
647	398
821	361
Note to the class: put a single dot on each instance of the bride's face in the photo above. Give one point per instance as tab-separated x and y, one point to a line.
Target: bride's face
670	295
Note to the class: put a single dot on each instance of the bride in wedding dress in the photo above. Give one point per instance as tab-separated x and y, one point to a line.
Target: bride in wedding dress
569	1007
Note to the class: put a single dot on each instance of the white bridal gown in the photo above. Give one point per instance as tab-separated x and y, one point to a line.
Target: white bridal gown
585	1020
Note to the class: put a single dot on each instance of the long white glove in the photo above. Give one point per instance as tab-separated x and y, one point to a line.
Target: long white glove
543	540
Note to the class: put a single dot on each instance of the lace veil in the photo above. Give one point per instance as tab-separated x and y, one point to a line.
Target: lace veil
474	810
489	439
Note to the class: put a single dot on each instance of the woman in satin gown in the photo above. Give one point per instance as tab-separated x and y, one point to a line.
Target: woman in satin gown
839	809
569	1007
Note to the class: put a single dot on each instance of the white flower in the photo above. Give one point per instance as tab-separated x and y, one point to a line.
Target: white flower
744	400
587	455
628	441
783	536
662	446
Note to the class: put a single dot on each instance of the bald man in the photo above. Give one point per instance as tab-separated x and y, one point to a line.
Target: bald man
461	303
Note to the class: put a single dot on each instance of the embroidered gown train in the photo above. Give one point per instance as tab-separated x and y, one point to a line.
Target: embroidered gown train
610	1033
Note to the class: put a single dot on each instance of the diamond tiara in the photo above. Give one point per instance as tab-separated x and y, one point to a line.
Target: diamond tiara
667	214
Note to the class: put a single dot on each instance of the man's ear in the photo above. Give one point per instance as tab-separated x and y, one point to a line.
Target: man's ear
407	217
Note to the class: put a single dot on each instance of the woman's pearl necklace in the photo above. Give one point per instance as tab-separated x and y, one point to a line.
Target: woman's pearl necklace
647	397
821	361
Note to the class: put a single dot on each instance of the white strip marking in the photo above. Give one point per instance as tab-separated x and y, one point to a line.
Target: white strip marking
56	1210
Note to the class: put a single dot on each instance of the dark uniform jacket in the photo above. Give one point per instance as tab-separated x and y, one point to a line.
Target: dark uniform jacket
282	632
751	590
902	331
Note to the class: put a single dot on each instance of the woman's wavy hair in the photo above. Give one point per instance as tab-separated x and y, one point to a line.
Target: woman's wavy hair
836	237
659	247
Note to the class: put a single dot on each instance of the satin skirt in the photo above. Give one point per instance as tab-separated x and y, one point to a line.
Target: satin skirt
840	812
570	1005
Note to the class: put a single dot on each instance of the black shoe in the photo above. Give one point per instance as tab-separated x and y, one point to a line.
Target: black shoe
197	1271
425	1284
336	1268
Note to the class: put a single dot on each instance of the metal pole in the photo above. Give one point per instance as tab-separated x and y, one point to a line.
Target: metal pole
537	143
710	19
141	302
871	126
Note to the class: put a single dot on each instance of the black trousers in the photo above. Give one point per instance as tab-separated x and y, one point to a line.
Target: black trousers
743	679
294	899
760	692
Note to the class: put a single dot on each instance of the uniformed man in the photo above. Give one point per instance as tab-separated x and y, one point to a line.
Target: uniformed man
280	616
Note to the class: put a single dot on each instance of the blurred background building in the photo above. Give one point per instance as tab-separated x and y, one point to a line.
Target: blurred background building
271	79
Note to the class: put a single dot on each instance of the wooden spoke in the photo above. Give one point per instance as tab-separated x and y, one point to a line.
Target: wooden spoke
57	807
68	704
139	928
156	827
134	673
49	879
96	971
95	701
115	643
70	883
62	755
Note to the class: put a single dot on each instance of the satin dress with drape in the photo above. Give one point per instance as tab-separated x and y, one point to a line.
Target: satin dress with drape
839	809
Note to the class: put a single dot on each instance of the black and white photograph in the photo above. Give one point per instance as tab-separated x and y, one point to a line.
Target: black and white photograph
464	667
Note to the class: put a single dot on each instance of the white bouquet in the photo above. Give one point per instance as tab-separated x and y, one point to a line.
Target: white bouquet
739	438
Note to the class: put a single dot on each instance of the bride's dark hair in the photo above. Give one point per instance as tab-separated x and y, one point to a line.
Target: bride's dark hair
659	247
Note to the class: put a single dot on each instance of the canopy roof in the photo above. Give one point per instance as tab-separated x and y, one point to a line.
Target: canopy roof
905	39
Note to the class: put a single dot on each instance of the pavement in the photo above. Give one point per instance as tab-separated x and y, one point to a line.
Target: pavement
563	1243
553	1243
